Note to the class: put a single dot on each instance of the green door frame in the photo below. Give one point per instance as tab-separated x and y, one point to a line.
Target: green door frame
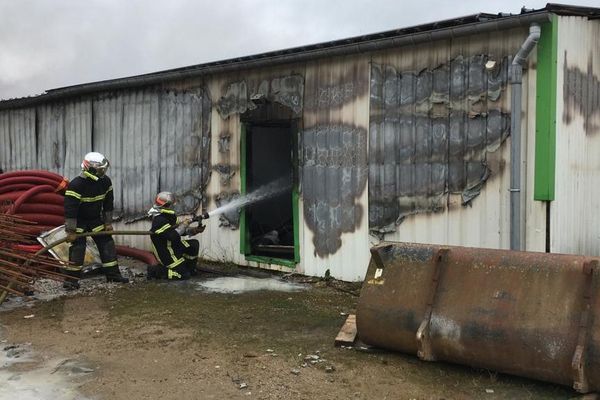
245	247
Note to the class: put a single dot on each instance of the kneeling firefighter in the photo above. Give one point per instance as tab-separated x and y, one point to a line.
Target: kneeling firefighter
177	257
88	208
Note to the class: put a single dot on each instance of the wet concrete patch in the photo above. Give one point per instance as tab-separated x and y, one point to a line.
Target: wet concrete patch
27	376
241	284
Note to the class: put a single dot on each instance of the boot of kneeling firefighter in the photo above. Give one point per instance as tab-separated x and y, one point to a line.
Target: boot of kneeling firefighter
88	208
177	257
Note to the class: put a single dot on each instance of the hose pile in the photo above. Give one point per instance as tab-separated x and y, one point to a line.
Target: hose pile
32	202
35	196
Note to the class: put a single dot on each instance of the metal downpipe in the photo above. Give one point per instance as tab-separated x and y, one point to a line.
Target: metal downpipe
516	79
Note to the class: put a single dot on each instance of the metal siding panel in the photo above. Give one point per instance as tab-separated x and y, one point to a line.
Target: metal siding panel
108	140
218	243
139	180
78	135
182	146
51	137
23	138
575	220
334	198
484	223
6	149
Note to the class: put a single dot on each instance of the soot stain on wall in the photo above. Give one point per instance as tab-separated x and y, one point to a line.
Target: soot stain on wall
429	135
285	90
334	175
581	93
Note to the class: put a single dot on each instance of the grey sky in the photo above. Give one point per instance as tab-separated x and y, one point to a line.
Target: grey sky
46	44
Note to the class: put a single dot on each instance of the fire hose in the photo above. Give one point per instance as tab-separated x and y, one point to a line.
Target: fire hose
10	285
4	293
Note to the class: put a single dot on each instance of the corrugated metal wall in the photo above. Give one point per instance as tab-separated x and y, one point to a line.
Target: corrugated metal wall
334	168
430	134
17	128
173	139
155	139
575	213
484	222
231	96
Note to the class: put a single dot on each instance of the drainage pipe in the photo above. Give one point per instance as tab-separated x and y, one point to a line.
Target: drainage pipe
516	79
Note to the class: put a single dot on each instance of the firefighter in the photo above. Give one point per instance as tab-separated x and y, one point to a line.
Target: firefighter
177	257
89	208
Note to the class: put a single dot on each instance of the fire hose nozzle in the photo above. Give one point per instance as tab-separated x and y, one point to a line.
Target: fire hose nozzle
199	218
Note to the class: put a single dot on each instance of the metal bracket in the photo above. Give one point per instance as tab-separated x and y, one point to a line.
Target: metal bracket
425	351
580	381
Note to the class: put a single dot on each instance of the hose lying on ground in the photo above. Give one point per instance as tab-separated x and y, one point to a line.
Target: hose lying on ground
10	285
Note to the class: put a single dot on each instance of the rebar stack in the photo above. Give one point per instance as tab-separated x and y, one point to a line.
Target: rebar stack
20	265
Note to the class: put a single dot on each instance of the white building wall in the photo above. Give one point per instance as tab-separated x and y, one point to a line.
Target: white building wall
575	213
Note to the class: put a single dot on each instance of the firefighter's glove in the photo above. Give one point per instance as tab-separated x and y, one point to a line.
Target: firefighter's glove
70	228
108	217
185	221
196	230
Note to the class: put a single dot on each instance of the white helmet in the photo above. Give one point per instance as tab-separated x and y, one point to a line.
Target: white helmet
165	200
95	163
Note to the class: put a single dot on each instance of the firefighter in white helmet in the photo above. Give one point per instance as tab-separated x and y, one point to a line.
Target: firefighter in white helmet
177	257
89	208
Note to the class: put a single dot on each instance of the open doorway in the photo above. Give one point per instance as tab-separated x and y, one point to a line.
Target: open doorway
268	226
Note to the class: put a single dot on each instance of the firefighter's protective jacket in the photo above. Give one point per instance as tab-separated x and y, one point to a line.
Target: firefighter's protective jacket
166	241
88	196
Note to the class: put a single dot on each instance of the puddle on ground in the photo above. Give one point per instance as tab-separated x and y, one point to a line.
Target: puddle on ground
240	284
26	376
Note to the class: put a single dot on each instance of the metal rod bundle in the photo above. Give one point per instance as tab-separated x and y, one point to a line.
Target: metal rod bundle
19	265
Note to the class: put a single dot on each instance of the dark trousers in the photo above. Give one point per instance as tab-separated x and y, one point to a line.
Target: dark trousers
105	244
184	270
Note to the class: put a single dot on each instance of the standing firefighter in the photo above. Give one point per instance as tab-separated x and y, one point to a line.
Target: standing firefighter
88	208
177	257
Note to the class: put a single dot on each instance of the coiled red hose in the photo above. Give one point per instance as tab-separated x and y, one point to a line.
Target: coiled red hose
51	209
35	197
43	198
34	173
144	256
15	187
30	179
27	195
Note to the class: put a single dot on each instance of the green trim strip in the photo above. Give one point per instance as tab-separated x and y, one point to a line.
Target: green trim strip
271	260
295	193
545	112
244	234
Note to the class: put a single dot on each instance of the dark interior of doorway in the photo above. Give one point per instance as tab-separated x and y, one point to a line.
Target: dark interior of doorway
269	157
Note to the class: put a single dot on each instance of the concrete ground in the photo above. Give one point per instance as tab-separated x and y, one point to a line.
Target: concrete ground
198	340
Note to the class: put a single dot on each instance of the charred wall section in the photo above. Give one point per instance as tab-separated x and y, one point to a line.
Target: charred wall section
334	153
156	139
252	99
239	96
430	134
581	94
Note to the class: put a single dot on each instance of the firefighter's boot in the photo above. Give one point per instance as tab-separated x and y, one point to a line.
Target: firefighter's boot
71	283
114	275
